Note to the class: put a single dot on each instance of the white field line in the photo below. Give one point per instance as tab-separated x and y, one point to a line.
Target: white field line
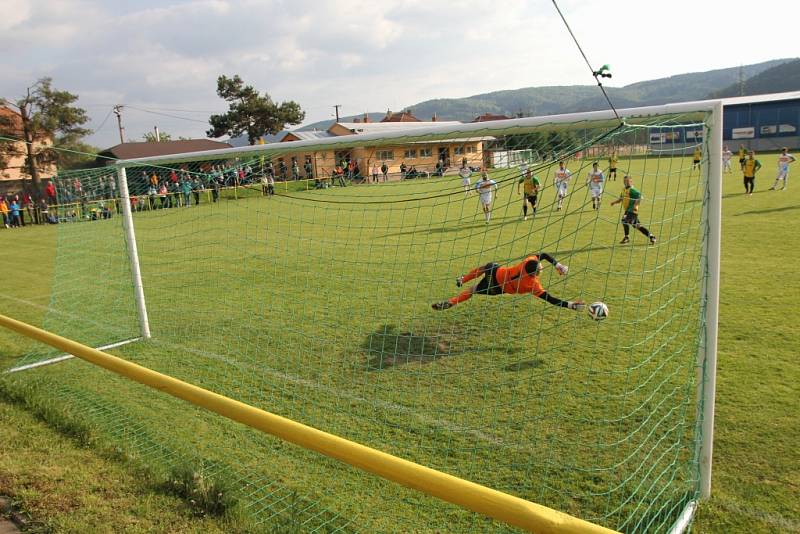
58	359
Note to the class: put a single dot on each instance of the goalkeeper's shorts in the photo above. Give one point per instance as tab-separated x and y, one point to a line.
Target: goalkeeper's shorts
489	284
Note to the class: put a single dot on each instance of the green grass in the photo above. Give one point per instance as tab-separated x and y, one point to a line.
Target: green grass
319	311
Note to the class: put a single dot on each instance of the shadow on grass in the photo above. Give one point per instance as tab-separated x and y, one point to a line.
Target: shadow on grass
767	210
386	347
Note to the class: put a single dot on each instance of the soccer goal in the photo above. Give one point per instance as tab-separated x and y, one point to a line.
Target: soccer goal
350	283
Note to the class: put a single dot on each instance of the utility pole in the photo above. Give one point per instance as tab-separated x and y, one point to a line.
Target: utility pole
118	113
158	136
337	106
741	80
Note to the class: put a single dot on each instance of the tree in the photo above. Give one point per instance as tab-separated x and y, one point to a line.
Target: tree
250	112
44	114
150	137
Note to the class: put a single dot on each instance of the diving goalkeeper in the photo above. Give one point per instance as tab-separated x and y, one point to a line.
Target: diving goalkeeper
520	278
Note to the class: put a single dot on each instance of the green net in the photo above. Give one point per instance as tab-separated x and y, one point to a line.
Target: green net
300	277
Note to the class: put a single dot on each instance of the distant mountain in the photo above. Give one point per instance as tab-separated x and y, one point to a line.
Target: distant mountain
535	101
778	79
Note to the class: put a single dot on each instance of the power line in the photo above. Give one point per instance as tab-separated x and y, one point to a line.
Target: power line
601	73
166	114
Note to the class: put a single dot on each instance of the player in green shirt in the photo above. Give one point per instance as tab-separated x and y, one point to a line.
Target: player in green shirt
630	198
530	192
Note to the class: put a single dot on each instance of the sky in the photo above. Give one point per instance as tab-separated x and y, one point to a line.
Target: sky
161	59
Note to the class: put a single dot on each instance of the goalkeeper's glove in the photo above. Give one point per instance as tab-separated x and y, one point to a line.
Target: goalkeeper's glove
576	305
561	268
459	281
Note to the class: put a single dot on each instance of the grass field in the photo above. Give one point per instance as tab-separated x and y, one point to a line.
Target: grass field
316	306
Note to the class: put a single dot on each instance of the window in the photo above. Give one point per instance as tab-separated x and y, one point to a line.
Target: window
384	155
425	152
471	149
410	154
458	150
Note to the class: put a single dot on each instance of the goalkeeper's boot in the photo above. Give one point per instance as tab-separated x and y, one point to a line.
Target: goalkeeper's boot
652	239
443	305
625	239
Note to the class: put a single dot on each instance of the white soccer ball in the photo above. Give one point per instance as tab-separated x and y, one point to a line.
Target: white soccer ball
597	311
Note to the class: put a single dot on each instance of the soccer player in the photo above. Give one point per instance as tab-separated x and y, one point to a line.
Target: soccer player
515	279
726	158
742	156
530	192
783	168
612	166
595	181
561	180
465	172
749	169
696	158
630	198
486	189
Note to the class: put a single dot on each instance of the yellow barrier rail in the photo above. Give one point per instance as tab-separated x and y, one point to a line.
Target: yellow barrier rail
501	506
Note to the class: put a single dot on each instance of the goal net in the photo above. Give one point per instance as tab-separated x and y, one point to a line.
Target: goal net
299	278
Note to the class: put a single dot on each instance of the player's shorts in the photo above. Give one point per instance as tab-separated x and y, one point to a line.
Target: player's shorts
489	284
630	218
465	182
531	199
486	200
562	189
782	173
695	161
596	191
612	169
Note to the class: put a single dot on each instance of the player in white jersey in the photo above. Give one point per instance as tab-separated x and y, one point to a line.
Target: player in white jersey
486	189
561	181
726	158
595	181
783	169
465	172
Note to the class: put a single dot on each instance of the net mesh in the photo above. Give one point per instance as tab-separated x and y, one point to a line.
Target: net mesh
314	303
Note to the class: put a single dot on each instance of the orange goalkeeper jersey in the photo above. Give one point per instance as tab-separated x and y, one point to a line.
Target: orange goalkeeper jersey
514	279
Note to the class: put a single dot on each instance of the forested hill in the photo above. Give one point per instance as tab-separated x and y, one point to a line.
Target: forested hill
778	79
533	101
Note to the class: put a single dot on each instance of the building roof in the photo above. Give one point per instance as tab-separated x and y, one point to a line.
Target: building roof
381	127
403	116
299	135
490	117
146	150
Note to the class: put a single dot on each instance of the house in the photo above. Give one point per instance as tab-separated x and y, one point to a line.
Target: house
490	117
424	155
162	148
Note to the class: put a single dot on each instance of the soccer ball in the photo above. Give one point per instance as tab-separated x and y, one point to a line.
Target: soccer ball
597	311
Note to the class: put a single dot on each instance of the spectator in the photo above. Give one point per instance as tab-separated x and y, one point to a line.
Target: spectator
152	193
295	170
186	188
375	170
43	211
197	186
27	202
4	211
339	174
282	169
154	179
351	169
309	169
270	185
385	171
403	169
14	208
163	195
264	184
50	191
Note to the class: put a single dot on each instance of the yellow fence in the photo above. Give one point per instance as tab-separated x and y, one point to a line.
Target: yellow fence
506	508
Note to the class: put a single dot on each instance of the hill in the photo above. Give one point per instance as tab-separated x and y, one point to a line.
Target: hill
533	101
780	78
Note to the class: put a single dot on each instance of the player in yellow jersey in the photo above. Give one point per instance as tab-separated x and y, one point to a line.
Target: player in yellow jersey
696	158
750	168
742	156
612	167
530	184
630	198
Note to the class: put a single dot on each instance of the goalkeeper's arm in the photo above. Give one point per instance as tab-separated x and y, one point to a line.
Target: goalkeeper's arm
555	301
560	267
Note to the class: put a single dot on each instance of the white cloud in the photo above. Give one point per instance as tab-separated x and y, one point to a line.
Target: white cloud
364	54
